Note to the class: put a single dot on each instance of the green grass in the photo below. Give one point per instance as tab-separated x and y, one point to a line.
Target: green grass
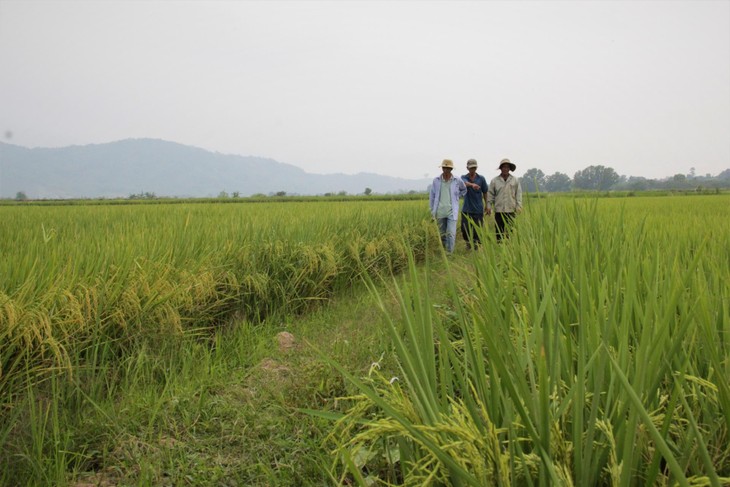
98	300
221	410
589	349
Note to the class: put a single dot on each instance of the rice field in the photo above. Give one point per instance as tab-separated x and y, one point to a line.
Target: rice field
592	348
72	276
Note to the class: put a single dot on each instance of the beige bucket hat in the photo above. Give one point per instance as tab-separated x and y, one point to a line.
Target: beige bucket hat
512	167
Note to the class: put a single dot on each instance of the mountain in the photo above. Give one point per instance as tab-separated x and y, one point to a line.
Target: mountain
136	166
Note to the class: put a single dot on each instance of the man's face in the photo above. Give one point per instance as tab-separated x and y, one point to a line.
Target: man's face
472	169
505	169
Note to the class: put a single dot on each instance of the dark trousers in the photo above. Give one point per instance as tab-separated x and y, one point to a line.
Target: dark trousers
469	222
503	222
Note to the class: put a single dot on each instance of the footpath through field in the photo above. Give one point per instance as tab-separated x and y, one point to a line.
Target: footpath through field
234	416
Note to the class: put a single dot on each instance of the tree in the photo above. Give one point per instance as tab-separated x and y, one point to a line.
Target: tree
223	194
595	178
724	175
281	193
637	183
368	191
21	196
533	180
557	182
146	195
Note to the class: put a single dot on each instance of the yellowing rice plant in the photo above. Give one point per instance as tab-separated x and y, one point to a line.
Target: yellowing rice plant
591	348
73	275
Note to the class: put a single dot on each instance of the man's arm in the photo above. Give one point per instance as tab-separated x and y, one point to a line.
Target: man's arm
432	197
462	187
467	183
485	188
490	198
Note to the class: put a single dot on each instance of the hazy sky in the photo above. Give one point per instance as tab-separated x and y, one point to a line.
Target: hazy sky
390	87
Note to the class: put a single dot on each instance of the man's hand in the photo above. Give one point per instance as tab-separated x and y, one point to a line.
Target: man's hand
489	211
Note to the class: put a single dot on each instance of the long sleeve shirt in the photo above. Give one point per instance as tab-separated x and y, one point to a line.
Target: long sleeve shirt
505	196
457	190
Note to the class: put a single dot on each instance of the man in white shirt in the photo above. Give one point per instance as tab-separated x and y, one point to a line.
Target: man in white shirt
444	202
505	196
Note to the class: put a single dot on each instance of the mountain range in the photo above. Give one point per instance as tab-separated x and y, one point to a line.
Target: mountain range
168	169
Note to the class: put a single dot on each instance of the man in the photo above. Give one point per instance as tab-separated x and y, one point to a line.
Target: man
444	202
505	195
475	205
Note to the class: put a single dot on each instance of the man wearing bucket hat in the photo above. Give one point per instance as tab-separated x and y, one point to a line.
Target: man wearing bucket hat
505	197
475	205
444	202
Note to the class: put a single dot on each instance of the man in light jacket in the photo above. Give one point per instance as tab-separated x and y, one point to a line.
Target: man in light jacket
446	190
505	197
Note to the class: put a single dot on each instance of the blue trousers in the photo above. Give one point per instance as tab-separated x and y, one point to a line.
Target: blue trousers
447	231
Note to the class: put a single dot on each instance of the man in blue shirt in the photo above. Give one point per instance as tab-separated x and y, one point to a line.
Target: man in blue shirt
444	202
475	205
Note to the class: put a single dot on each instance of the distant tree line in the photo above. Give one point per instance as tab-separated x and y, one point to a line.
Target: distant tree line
592	178
601	178
143	195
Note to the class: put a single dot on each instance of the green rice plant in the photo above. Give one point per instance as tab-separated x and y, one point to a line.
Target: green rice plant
68	268
76	280
591	347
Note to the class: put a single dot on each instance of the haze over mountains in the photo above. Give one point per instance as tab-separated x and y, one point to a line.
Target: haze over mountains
168	169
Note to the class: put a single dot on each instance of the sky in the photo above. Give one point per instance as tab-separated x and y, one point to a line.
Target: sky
387	87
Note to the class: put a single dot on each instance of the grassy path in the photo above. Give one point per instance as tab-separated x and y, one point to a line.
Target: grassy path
226	411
